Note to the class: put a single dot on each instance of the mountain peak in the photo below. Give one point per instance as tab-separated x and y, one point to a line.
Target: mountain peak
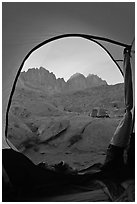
77	74
91	75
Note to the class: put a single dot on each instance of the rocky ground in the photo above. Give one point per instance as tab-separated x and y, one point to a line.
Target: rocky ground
82	143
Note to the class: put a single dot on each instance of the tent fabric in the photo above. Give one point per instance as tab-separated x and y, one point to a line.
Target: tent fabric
128	81
122	134
36	183
123	131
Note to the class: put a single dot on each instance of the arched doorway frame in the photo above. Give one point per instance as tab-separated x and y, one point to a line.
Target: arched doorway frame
85	36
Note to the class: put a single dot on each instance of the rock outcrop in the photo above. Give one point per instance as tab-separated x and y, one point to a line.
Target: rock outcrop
50	130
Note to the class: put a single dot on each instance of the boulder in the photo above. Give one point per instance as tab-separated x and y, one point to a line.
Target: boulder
51	129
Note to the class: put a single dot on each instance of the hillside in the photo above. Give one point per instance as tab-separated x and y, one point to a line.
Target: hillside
109	97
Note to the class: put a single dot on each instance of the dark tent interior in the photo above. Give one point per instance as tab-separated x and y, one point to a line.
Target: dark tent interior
26	28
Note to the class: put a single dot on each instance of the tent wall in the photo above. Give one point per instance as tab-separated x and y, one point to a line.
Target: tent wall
27	24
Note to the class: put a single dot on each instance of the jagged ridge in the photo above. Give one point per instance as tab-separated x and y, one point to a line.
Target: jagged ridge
46	81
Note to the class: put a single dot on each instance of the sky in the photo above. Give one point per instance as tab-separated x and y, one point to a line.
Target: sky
65	57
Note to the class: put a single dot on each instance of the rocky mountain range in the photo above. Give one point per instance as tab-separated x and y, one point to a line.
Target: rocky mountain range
46	81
